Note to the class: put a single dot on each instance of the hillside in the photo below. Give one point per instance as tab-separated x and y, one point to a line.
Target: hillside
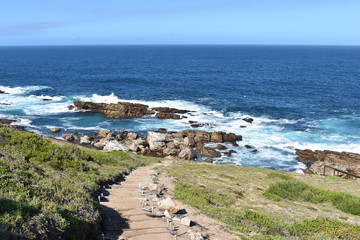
265	204
48	191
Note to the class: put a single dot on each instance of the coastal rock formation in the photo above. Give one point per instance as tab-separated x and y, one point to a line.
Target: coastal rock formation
54	129
8	124
6	121
127	109
316	160
115	110
2	92
186	144
170	110
248	119
167	115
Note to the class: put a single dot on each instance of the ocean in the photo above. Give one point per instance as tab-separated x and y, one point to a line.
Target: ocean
304	97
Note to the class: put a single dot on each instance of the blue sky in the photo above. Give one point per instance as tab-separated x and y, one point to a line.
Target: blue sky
64	22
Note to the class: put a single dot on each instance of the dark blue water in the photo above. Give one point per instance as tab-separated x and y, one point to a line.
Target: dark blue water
300	96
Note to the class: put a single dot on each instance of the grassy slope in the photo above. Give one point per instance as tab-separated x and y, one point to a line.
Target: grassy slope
47	189
265	204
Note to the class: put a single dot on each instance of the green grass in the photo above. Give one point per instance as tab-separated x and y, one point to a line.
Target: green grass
239	197
47	187
297	190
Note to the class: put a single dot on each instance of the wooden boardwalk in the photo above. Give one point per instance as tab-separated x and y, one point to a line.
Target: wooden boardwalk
125	214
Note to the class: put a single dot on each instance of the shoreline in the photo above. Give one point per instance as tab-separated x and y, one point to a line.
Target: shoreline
198	145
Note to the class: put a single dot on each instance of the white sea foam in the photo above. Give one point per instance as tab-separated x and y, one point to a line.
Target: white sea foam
44	109
274	140
22	90
49	98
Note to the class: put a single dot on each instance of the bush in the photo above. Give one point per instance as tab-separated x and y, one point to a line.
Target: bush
297	190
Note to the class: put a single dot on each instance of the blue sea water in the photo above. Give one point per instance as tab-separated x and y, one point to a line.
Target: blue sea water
299	96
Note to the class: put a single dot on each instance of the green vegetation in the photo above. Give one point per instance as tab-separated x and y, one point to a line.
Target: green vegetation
261	204
45	187
300	191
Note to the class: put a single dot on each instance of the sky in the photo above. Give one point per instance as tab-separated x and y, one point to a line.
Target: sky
94	22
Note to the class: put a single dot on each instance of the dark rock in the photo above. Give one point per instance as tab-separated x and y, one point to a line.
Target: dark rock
254	151
6	121
248	119
248	146
229	153
167	115
242	126
115	110
15	127
221	147
209	152
231	137
47	99
71	107
170	110
2	92
209	160
162	130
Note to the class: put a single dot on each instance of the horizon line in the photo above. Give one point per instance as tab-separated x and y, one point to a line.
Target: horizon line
182	44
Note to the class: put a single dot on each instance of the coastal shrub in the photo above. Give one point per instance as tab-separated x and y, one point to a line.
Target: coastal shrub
48	188
279	175
334	229
297	190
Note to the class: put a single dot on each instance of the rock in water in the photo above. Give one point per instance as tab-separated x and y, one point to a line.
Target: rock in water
6	121
248	119
2	92
167	115
54	129
315	161
103	133
132	136
170	110
209	152
115	110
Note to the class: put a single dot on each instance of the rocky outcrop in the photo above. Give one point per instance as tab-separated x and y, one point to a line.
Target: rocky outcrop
115	110
54	129
170	110
114	145
186	144
8	124
316	160
167	115
3	92
6	121
126	109
205	137
248	119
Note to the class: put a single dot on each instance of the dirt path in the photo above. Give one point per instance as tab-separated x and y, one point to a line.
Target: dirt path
130	210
